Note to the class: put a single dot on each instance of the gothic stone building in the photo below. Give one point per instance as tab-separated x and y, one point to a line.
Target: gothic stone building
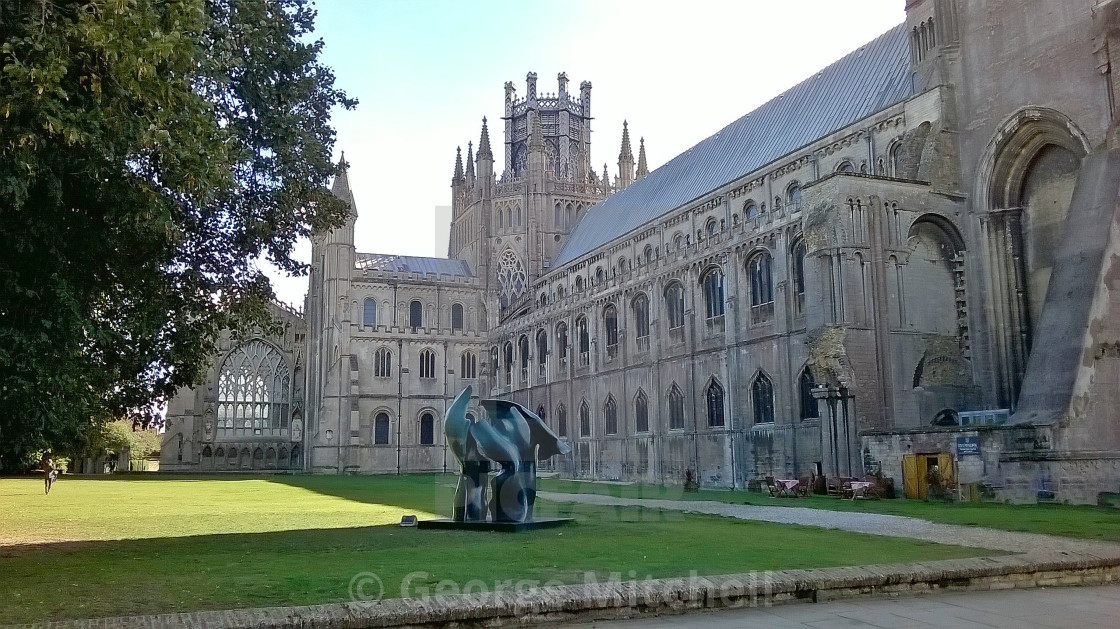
911	258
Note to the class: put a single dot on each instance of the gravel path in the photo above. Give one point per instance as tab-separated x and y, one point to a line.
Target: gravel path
870	523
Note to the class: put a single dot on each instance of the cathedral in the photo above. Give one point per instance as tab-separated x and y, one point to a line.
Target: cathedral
911	258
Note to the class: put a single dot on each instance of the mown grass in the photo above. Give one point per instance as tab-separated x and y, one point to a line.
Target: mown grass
130	545
1089	522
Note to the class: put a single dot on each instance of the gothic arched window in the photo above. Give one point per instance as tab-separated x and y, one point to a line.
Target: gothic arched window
610	324
511	278
674	305
584	420
542	351
762	287
798	260
383	363
713	292
640	306
610	414
750	210
805	384
561	421
641	413
415	314
254	385
676	408
427	364
793	194
562	342
762	399
649	254
456	316
584	341
715	404
427	429
507	354
468	364
381	429
523	350
369	312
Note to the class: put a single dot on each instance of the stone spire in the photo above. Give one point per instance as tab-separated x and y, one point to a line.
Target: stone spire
484	151
625	159
643	168
341	186
458	176
606	179
470	162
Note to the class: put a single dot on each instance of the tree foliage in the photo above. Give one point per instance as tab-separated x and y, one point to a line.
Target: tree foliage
150	152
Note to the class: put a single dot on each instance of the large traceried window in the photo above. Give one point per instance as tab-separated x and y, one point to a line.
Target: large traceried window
762	399
511	278
584	342
584	420
562	343
805	385
610	324
561	421
254	387
640	306
799	278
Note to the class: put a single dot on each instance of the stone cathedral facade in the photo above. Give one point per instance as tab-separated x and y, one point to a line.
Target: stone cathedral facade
912	257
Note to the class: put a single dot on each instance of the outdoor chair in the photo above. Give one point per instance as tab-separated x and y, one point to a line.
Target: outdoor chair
772	487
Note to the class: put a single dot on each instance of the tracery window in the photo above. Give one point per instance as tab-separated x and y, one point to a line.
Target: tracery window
674	305
610	414
762	399
715	404
762	287
640	306
713	293
383	363
523	349
799	277
561	421
584	342
427	364
369	312
610	324
254	387
511	278
507	354
641	413
542	352
562	342
676	408
468	366
584	420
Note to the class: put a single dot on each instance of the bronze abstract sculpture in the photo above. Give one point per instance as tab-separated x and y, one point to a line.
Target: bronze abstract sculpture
514	438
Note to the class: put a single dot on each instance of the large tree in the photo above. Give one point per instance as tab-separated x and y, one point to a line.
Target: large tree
151	151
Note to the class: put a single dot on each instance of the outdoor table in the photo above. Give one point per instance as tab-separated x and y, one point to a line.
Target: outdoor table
859	488
786	485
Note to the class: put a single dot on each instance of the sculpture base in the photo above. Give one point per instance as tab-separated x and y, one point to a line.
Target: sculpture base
502	527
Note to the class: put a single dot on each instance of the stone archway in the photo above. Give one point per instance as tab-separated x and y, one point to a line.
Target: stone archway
1025	184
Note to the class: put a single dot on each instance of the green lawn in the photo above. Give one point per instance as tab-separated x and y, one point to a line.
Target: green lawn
1071	521
135	544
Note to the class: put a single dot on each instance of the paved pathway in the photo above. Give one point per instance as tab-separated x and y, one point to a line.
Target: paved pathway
1096	606
870	523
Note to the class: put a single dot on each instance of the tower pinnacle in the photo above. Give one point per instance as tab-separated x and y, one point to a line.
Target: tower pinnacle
643	168
625	159
458	176
484	151
470	161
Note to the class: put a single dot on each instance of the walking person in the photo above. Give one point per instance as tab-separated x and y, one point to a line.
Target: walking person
50	472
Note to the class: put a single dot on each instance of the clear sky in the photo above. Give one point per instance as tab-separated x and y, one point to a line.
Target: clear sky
427	71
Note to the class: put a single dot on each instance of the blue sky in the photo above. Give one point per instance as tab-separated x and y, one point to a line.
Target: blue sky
427	71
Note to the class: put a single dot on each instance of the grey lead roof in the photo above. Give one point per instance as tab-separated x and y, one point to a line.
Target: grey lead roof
864	82
410	264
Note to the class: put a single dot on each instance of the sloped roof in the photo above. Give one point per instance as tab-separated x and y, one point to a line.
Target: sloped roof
864	82
410	264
